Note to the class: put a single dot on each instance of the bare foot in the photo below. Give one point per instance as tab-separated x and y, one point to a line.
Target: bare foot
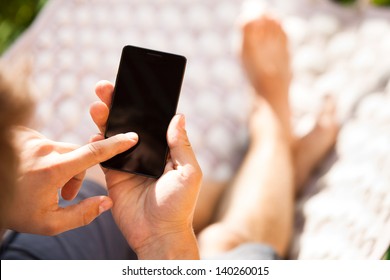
313	147
266	60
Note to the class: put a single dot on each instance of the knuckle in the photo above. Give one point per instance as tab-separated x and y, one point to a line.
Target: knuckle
194	175
45	147
96	150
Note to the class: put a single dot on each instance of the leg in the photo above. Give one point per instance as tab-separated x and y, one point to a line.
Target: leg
266	60
209	196
313	147
259	205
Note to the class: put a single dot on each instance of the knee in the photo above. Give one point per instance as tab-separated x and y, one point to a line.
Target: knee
218	238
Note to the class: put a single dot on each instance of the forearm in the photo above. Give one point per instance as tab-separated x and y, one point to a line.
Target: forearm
173	246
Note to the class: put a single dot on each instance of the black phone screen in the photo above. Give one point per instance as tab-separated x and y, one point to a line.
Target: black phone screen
145	99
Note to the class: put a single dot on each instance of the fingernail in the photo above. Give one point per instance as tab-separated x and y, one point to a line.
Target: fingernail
132	136
105	205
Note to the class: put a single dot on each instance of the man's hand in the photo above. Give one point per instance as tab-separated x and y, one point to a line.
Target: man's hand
47	167
155	216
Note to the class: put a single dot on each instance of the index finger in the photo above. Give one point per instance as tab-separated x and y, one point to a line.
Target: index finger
91	154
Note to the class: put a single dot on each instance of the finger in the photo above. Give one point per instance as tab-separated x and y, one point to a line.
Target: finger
70	190
104	90
88	155
79	215
97	137
94	138
181	151
63	147
99	114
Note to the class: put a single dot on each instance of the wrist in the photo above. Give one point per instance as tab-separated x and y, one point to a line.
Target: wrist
179	245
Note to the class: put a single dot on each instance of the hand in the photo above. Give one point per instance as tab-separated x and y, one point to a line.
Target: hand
155	216
47	167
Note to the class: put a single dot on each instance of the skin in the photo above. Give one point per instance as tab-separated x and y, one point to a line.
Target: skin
266	61
258	205
155	216
47	167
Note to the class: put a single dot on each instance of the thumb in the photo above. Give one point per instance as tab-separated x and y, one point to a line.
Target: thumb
82	213
180	148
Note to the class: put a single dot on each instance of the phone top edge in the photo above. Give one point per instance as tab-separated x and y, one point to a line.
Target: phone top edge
153	52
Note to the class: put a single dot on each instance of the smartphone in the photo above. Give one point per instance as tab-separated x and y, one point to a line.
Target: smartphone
145	99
